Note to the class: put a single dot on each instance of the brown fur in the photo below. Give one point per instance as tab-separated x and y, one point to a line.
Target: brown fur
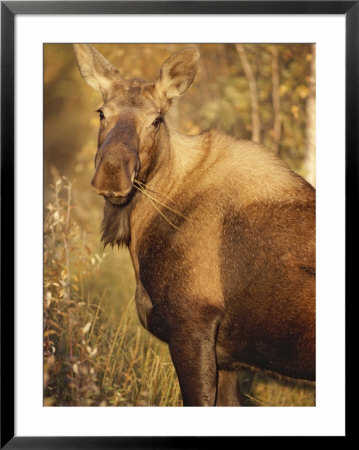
221	235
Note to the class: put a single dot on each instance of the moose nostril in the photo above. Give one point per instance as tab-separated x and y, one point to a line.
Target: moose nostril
103	192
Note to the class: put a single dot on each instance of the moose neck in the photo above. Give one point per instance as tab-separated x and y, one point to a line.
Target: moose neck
176	157
157	160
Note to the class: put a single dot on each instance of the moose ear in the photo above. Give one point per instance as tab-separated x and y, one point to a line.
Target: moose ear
95	69
177	73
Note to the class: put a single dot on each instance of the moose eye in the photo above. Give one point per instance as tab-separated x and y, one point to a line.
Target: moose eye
157	121
101	114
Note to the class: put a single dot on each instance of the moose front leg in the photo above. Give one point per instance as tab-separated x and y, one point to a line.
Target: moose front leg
193	354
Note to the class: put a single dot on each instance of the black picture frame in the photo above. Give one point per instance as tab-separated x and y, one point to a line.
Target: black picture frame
9	10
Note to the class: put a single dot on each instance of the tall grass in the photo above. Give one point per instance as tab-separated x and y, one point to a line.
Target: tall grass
87	360
99	355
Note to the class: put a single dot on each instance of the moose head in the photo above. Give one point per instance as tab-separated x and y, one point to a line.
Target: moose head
133	129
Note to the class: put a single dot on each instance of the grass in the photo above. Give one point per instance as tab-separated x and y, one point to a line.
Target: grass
96	353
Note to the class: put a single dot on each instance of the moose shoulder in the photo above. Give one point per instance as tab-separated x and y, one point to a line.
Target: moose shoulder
221	234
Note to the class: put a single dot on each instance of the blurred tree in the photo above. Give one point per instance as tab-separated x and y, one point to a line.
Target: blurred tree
311	119
276	98
256	123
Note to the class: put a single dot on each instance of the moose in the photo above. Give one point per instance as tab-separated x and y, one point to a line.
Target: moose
220	231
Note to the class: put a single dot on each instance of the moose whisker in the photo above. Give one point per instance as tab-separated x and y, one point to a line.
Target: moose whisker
153	191
155	206
143	186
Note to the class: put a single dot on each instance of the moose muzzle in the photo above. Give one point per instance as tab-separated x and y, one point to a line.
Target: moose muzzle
117	164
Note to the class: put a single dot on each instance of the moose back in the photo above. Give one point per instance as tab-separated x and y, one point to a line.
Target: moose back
221	234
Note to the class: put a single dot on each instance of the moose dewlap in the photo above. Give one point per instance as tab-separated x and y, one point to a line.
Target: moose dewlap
221	234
